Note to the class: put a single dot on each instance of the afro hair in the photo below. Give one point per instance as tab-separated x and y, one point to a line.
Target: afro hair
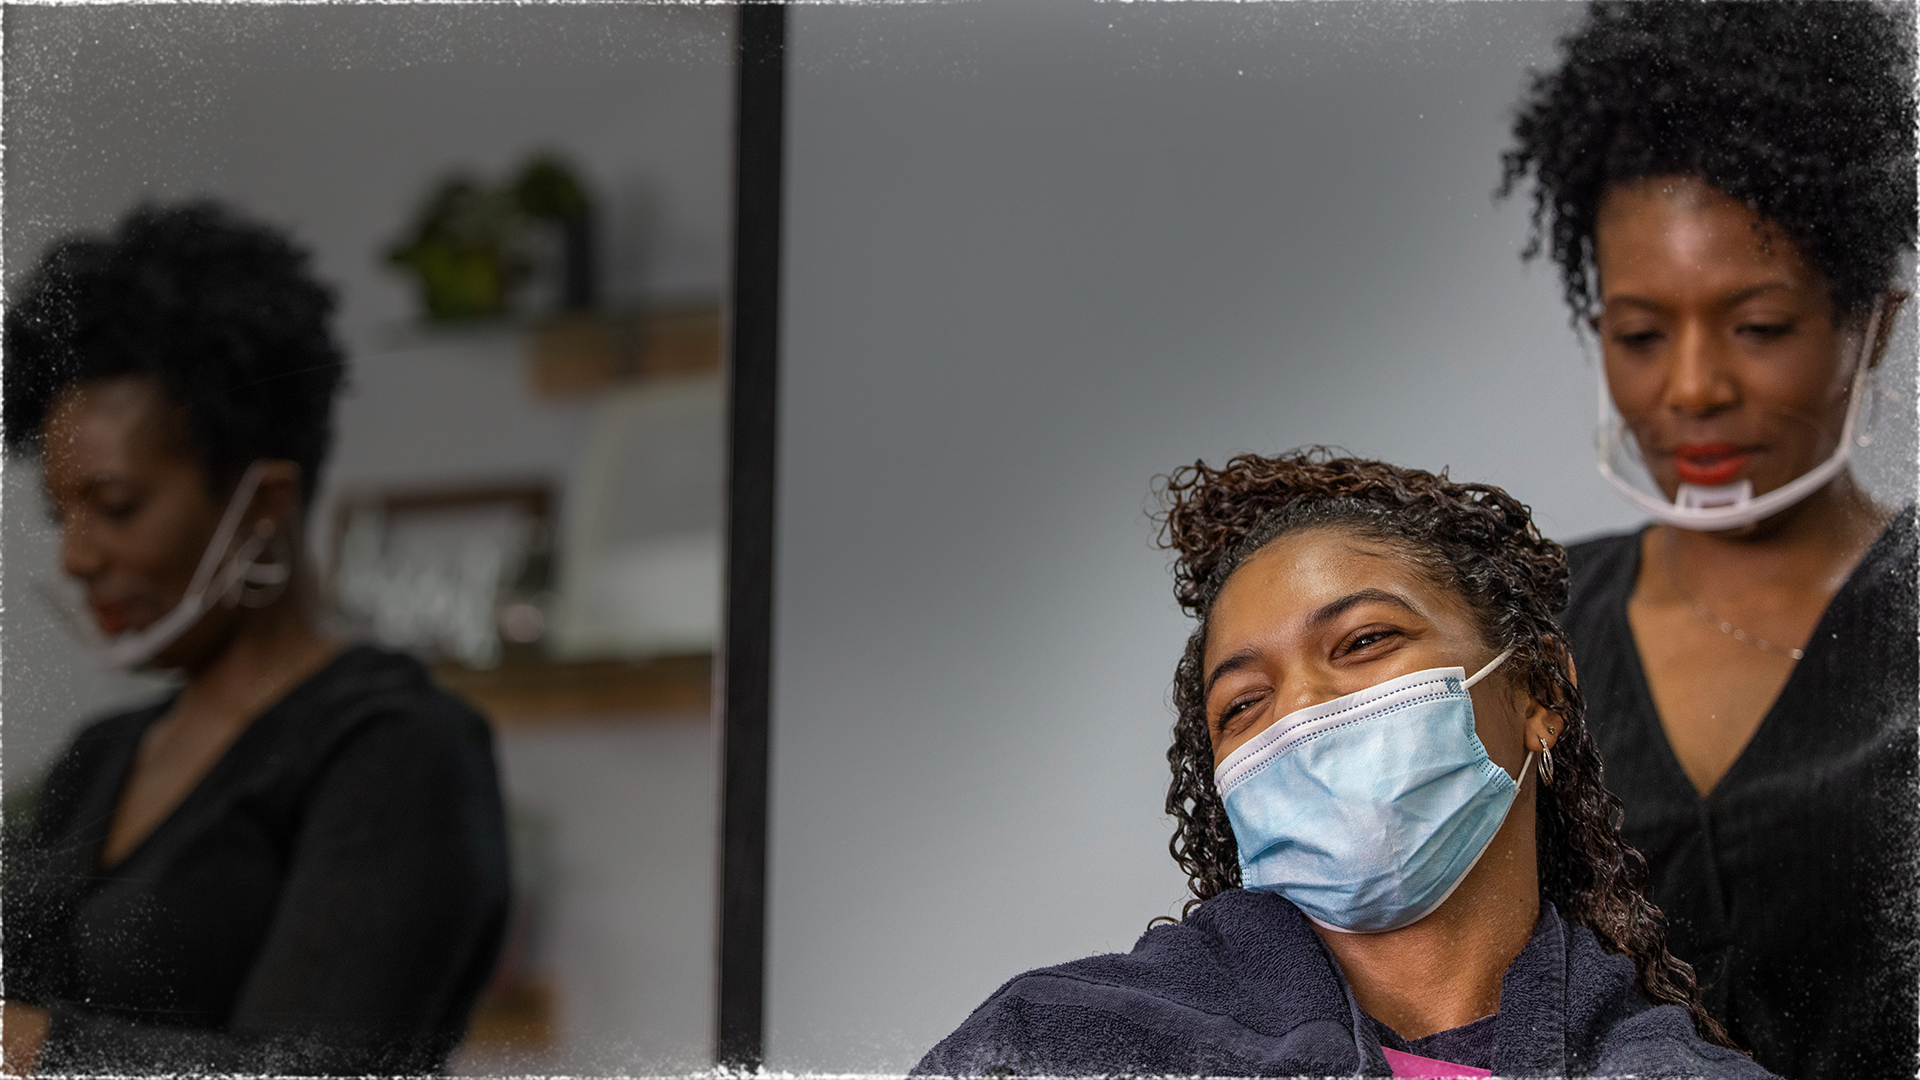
220	312
1802	111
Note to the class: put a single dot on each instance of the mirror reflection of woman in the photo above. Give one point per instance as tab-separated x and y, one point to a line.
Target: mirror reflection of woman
1728	190
1389	810
296	863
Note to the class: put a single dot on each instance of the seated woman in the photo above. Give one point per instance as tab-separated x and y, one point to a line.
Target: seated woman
1389	810
297	862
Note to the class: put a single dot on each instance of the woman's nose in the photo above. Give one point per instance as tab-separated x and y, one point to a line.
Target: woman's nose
80	554
1306	691
1700	380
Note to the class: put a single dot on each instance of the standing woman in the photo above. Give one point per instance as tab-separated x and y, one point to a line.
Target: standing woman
297	862
1728	190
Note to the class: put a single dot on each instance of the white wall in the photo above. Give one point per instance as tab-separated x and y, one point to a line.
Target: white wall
1036	254
333	121
633	808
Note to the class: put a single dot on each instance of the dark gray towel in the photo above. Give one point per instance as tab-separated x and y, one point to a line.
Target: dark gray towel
1243	987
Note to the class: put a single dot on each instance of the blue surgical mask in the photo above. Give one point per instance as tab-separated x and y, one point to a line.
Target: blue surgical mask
1367	811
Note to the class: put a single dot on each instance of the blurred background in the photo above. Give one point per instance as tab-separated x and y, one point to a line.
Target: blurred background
1034	255
526	215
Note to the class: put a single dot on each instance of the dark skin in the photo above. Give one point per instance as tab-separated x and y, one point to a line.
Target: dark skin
1723	351
1322	613
136	512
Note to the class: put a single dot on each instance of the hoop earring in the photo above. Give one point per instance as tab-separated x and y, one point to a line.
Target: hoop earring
1546	763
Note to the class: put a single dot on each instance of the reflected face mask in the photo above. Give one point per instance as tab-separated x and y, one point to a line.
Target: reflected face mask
1367	811
224	575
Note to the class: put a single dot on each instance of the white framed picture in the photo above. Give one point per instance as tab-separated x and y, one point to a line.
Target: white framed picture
639	568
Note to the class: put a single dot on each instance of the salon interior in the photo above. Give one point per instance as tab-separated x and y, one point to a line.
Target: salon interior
752	413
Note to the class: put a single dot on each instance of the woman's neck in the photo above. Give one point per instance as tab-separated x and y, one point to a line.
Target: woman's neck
1446	969
1808	549
270	652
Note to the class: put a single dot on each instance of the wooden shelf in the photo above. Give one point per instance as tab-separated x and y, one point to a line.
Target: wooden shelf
596	350
520	694
522	1017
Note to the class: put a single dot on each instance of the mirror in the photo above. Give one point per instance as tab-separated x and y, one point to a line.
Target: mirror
525	484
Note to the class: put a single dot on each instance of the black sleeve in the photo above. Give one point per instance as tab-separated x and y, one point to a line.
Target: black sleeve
388	924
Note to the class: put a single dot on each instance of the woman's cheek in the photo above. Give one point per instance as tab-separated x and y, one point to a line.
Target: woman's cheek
1634	386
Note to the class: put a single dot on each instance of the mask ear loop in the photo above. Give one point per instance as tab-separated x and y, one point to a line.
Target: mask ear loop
1488	670
1546	755
1870	404
252	581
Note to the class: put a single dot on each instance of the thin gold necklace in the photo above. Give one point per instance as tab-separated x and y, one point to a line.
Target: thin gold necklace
1707	616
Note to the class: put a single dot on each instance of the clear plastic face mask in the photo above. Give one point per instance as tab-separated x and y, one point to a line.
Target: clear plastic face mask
231	571
1732	470
63	601
1719	462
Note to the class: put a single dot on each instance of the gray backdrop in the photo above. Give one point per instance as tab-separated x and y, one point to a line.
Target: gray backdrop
1036	254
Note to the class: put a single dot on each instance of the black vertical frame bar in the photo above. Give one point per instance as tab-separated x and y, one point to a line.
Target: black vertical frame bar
746	657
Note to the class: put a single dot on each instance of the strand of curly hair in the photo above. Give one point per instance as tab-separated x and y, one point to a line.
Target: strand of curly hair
1480	542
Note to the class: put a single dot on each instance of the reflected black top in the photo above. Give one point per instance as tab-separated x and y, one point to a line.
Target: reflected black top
1790	886
329	898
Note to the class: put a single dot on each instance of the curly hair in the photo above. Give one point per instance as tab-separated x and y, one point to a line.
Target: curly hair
1800	109
221	313
1478	542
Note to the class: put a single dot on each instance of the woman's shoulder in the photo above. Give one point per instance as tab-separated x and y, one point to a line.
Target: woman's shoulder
1625	1033
1241	985
366	682
1600	560
366	696
1892	561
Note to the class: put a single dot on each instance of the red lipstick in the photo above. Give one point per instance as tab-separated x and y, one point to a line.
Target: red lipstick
1709	464
111	617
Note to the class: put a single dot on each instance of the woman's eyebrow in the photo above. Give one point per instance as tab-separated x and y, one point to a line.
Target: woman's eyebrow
1244	658
1330	611
1752	291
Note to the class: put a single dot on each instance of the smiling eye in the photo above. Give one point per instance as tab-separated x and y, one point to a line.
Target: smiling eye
1366	638
1767	331
1233	710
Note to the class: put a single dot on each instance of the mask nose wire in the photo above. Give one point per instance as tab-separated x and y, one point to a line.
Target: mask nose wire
1488	670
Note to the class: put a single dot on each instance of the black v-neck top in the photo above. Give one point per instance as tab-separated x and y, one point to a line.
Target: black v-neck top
1790	887
329	899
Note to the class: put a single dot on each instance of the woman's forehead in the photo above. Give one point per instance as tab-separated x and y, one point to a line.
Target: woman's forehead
1303	571
1681	226
97	423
